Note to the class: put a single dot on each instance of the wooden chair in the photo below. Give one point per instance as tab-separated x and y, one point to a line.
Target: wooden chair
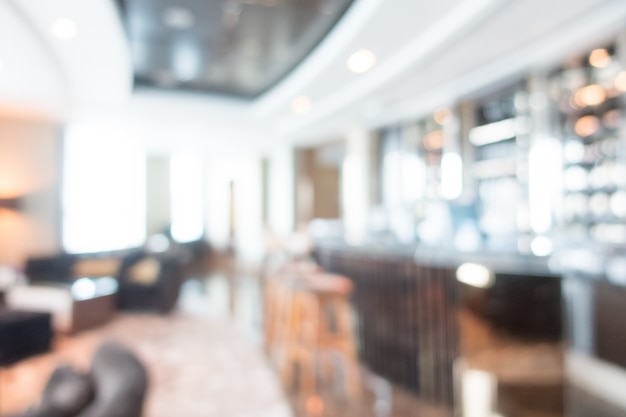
317	324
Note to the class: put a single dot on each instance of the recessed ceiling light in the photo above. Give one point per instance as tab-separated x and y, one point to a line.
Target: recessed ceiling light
361	61
301	105
177	17
64	28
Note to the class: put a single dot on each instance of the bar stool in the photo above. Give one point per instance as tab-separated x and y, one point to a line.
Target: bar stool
318	324
277	302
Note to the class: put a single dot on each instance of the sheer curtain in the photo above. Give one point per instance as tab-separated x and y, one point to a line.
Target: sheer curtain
104	197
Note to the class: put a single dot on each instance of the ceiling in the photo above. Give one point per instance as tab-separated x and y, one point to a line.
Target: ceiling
428	53
234	47
45	76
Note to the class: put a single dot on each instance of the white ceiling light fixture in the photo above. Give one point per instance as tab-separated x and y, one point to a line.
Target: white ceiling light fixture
301	105
64	29
361	61
177	17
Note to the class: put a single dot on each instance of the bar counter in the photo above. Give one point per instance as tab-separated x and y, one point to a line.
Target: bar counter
407	300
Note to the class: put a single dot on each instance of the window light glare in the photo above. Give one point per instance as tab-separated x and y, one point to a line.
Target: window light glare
599	58
83	289
476	275
186	186
158	243
64	28
451	175
301	105
361	61
478	391
541	246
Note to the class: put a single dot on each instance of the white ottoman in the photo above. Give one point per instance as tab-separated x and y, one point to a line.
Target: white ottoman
83	304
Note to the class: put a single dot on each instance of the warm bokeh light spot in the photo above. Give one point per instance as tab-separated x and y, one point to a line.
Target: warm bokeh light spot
314	405
599	58
434	141
591	95
587	126
476	275
442	116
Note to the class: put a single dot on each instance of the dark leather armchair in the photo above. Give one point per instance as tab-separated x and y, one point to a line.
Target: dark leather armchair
115	386
50	269
149	282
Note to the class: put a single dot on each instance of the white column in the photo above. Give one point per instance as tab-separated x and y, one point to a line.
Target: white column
217	201
281	204
355	185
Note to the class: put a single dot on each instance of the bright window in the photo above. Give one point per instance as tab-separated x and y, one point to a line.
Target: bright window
187	197
103	190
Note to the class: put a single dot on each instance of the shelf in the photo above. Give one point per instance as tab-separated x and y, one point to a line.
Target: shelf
499	131
494	168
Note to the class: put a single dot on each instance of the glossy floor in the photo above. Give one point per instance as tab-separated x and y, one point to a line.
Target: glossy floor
220	317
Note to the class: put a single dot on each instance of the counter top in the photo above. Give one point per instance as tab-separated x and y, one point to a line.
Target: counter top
501	263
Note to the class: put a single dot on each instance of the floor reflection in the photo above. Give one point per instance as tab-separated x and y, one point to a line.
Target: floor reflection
500	374
582	404
497	375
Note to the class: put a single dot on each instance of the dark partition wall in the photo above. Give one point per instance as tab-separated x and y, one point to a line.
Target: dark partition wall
406	316
609	311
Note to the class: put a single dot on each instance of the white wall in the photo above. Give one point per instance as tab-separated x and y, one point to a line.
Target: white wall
355	184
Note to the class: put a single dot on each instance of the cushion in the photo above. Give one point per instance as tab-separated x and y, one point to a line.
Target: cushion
96	267
56	300
145	272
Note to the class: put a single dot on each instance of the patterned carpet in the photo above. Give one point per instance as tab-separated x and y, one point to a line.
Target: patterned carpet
199	367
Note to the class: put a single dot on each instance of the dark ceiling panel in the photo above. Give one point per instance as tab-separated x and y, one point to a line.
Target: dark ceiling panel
235	47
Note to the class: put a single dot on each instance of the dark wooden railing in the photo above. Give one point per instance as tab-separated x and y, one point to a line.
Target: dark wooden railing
406	317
